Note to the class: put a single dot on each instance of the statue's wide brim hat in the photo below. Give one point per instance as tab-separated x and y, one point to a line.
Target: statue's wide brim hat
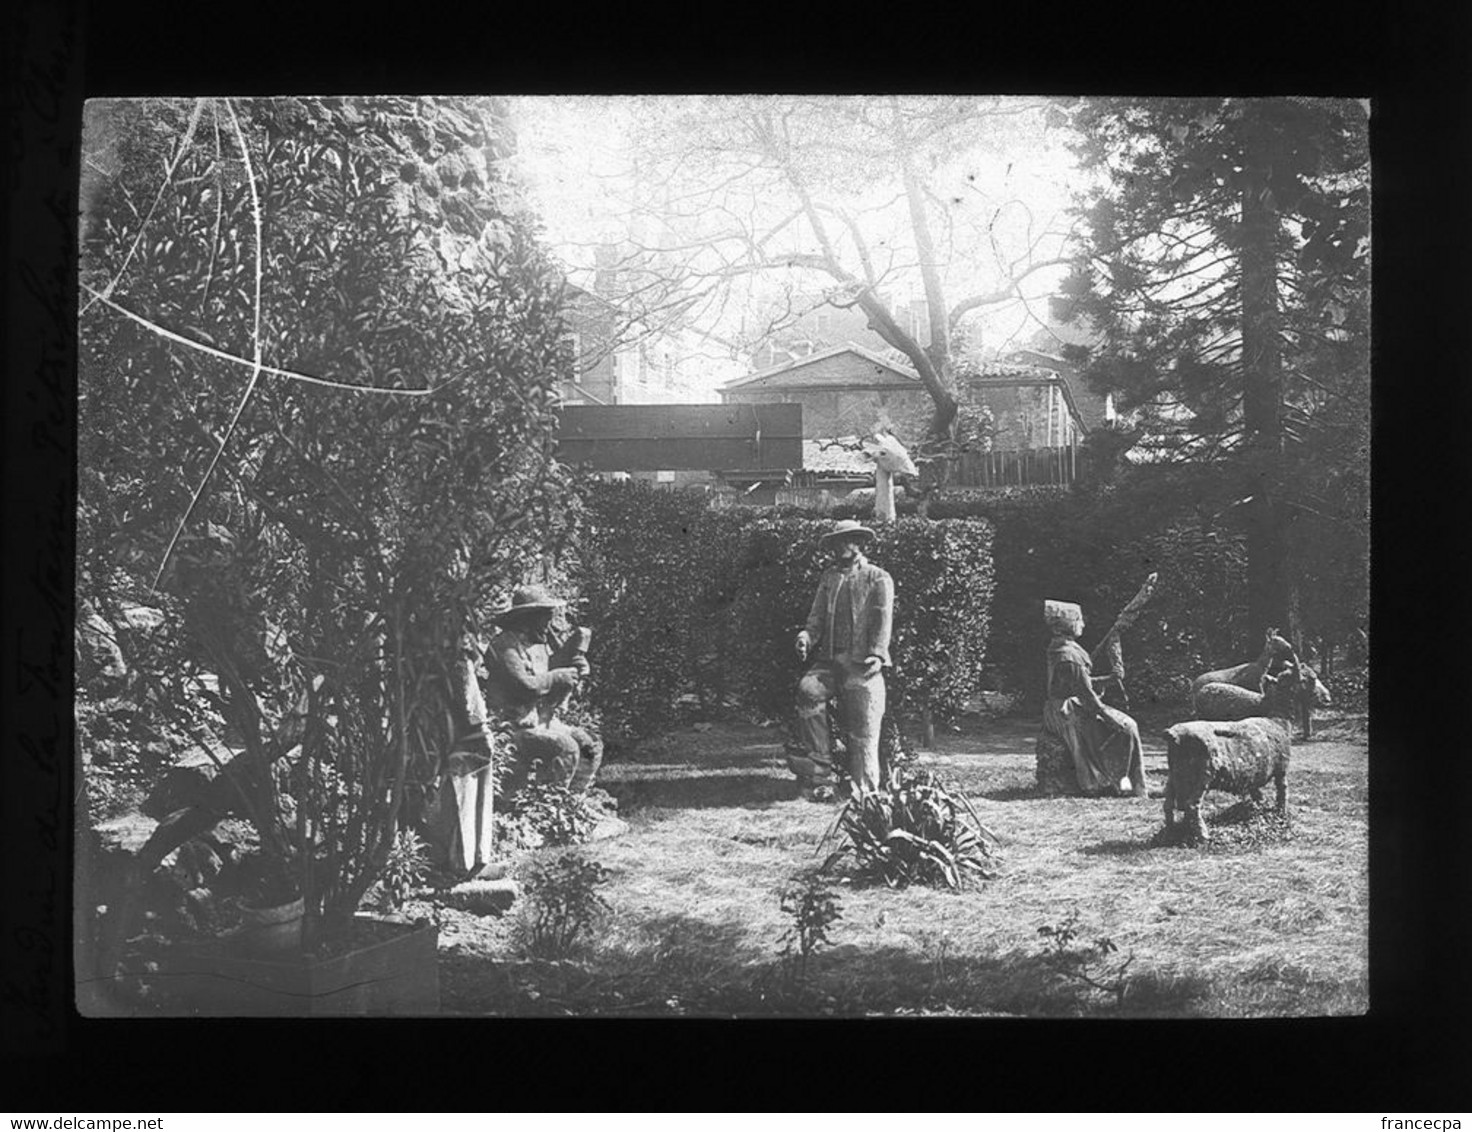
847	528
528	599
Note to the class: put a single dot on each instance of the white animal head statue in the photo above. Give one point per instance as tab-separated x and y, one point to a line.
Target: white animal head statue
888	453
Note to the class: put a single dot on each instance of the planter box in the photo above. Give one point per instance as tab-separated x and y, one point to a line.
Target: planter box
393	970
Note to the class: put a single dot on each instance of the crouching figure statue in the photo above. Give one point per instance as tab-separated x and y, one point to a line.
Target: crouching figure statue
530	673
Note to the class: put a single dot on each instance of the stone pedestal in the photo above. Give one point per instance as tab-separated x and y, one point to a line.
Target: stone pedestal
608	827
1055	772
883	495
484	897
461	815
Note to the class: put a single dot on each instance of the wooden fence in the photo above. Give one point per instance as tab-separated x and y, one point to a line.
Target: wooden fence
808	498
1025	466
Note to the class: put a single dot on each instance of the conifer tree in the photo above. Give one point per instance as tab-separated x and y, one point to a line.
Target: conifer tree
1225	263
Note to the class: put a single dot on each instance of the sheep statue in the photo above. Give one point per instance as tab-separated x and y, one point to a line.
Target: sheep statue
1237	756
1233	693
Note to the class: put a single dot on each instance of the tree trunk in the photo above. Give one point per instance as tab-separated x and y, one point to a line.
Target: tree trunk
1262	375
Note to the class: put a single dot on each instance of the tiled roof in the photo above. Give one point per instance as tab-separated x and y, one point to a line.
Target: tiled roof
833	351
828	455
1010	372
1090	405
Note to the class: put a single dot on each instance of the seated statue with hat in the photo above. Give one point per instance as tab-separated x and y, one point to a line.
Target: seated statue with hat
847	639
530	673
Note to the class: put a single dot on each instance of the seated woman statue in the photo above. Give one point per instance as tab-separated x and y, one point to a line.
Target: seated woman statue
1104	741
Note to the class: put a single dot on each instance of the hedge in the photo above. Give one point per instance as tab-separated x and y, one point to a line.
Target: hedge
1096	547
692	606
636	574
1067	551
695	608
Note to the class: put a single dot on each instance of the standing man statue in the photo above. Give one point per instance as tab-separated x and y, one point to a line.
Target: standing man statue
529	675
847	639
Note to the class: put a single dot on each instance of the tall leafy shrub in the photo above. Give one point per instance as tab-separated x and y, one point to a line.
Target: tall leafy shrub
363	500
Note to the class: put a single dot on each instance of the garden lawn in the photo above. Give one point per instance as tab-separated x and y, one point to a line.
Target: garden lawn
1261	922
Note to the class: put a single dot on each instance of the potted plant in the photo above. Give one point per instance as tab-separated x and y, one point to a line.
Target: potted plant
272	907
325	541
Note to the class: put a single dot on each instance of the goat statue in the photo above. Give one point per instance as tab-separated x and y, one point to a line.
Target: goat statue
1234	693
1249	674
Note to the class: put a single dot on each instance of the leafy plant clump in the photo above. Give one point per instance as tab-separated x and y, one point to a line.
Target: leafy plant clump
813	909
563	904
406	869
1092	966
542	814
914	831
266	881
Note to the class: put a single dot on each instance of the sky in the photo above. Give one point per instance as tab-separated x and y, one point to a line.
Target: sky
574	158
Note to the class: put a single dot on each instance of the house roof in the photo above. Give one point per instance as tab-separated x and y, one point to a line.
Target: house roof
900	374
1001	373
1088	404
1038	369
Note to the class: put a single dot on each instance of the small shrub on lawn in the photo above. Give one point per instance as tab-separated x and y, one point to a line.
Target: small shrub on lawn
407	867
916	830
1090	966
542	814
812	908
563	904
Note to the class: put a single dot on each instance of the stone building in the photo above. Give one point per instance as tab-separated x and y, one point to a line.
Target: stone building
852	390
612	360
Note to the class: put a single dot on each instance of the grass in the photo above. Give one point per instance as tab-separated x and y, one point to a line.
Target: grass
1270	919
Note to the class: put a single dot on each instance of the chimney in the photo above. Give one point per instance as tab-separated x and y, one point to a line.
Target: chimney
920	321
605	271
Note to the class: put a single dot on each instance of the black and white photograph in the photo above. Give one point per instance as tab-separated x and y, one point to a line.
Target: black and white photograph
723	556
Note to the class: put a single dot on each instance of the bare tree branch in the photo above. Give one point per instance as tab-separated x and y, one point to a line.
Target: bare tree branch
1001	294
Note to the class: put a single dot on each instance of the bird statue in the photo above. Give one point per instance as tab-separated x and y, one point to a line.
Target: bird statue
888	453
890	459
